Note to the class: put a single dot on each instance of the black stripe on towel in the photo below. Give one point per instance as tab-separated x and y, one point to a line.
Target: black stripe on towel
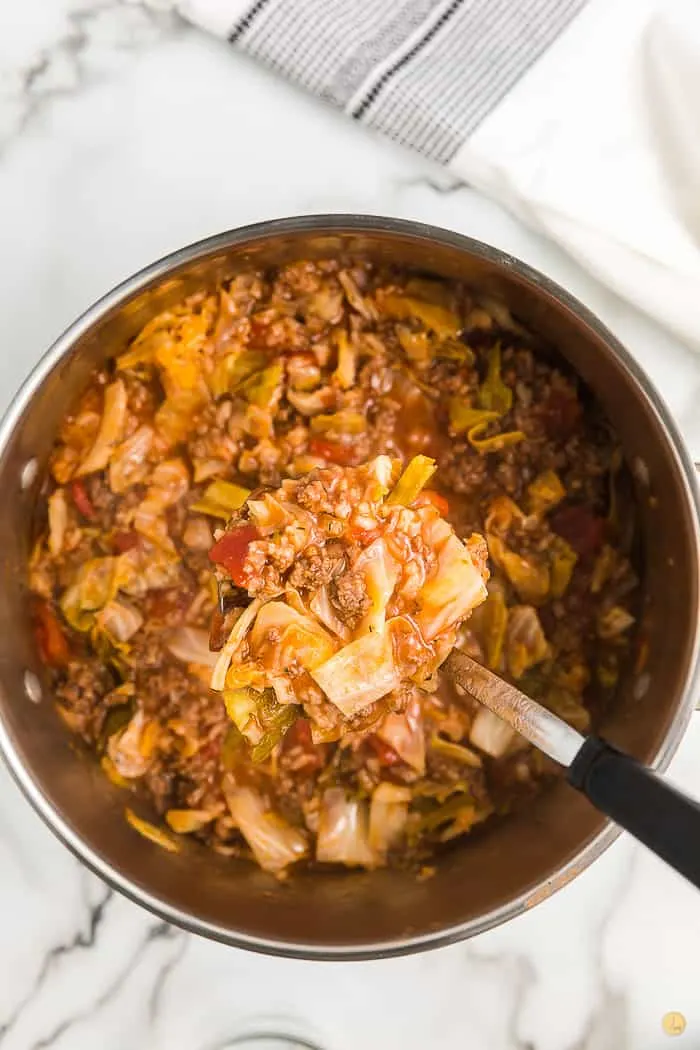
244	24
371	97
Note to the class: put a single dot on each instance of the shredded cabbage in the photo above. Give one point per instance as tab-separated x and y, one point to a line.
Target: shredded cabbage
359	674
233	642
263	388
435	317
380	573
454	350
404	733
343	831
95	584
502	513
613	622
274	842
569	707
119	620
321	606
363	306
417	346
494	395
413	480
169	483
125	750
339	423
463	417
242	708
451	818
58	521
312	402
388	814
495	442
230	371
526	644
298	638
490	733
191	646
530	578
268	513
111	429
603	569
347	361
128	463
489	622
563	561
173	420
456	752
151	832
495	400
220	499
185	821
545	492
110	771
454	590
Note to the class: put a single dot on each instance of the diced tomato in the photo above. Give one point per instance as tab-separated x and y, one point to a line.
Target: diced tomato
561	413
299	734
583	530
334	452
298	738
429	497
82	500
231	550
125	541
384	752
50	638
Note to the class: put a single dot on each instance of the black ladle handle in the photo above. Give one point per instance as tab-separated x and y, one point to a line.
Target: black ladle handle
645	805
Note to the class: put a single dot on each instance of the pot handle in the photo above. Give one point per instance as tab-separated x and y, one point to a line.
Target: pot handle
666	821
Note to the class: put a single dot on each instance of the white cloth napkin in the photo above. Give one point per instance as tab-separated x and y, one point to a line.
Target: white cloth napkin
598	146
581	116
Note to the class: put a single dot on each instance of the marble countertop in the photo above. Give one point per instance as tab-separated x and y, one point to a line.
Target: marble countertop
125	134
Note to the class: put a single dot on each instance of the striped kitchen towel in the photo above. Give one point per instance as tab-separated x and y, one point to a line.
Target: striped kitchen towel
581	116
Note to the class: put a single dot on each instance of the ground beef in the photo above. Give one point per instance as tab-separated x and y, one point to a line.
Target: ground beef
82	693
315	568
349	596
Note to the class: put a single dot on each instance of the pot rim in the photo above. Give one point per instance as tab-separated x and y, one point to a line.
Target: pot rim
353	224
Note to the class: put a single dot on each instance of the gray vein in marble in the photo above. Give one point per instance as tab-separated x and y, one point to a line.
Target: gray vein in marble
525	978
165	973
608	1028
157	932
83	939
441	182
76	57
521	977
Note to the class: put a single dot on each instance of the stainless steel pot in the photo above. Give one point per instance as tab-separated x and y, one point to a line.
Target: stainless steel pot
487	879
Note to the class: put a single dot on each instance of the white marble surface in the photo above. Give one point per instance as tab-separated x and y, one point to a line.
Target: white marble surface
124	134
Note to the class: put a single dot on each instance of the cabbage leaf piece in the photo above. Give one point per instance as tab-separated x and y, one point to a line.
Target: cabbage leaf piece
359	674
275	843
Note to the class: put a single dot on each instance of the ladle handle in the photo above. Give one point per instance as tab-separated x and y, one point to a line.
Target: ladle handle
666	821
